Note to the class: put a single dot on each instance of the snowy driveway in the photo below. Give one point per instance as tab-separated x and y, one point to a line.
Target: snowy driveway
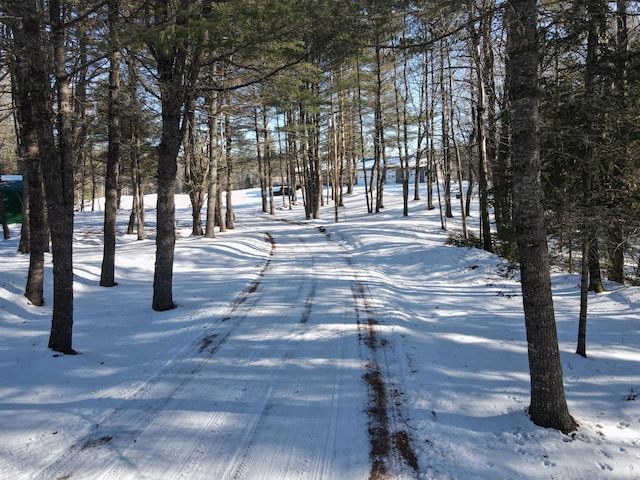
289	382
367	349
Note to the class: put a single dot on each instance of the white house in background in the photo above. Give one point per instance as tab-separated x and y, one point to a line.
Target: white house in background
394	173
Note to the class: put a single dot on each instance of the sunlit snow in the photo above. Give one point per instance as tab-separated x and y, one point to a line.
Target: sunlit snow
230	385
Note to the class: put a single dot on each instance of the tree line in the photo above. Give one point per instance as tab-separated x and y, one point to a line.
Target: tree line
534	107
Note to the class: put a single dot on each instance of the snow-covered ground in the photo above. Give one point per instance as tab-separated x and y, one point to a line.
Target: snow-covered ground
268	368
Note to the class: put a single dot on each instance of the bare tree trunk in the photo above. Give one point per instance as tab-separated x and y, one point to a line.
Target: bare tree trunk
432	174
26	82
3	219
229	214
483	172
590	254
137	212
501	177
136	218
267	159
423	128
316	173
134	205
177	72
81	121
618	242
333	128
213	153
345	149
362	152
443	217
167	168
595	273
378	142
171	70
219	220
266	188
581	348
293	159
446	150
402	129
490	131
311	155
58	175
25	231
361	134
196	170
463	211
456	149
34	290
107	275
548	402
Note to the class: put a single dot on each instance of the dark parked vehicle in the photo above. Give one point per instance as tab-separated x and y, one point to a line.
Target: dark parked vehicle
283	190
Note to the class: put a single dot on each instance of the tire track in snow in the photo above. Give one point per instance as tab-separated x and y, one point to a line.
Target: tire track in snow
391	447
190	466
264	452
153	395
304	461
246	459
320	440
255	284
256	406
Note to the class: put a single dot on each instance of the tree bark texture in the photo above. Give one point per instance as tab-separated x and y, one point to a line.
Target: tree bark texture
171	61
548	403
55	159
212	155
229	217
581	347
446	150
34	290
622	159
481	119
169	72
24	84
107	275
59	187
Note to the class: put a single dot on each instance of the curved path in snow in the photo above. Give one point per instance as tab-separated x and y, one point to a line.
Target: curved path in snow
289	383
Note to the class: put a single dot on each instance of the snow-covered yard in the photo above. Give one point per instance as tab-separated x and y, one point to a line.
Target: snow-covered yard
268	367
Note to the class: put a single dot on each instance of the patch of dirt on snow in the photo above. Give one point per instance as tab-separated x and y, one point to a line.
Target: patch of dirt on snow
387	449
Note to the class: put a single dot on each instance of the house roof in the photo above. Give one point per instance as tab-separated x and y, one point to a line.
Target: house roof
392	162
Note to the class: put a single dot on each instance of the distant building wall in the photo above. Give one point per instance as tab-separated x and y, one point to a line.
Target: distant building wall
12	197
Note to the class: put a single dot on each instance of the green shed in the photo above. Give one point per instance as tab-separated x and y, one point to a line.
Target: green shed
12	197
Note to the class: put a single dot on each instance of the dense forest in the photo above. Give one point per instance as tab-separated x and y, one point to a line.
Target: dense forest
109	97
